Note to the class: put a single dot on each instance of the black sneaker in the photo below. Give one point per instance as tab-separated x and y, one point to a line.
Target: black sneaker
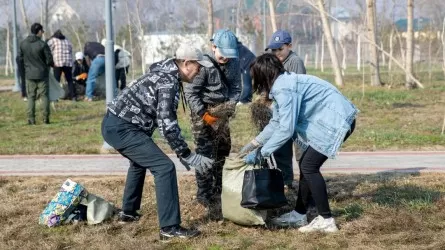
127	218
168	233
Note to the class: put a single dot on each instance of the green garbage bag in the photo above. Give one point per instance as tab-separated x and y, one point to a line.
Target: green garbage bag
232	186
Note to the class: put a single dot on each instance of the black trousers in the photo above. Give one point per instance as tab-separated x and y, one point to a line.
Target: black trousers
312	186
143	153
283	158
67	71
121	74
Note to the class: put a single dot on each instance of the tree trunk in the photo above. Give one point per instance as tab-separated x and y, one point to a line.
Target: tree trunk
209	18
330	41
383	55
273	20
141	35
391	49
409	46
343	60
238	22
322	54
443	45
131	39
359	52
46	13
317	46
24	15
8	54
374	60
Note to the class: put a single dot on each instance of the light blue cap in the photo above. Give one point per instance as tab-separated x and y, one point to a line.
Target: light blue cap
226	43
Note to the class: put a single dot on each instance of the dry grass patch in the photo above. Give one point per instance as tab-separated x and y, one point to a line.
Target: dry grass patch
378	211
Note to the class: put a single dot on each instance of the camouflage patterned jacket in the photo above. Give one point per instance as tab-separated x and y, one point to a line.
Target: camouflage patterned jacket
208	89
152	101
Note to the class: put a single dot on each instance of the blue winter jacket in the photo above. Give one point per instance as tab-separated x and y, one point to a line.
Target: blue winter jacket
309	110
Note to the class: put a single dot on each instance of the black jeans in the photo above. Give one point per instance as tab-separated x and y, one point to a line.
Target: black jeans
67	71
312	187
134	144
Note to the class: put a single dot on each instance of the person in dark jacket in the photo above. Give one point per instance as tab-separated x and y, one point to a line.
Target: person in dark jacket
22	79
246	57
95	53
36	57
80	73
149	103
218	86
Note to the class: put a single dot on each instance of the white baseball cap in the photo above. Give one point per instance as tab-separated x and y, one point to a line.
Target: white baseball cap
187	51
79	55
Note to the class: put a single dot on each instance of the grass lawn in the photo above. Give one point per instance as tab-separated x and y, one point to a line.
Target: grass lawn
390	119
383	211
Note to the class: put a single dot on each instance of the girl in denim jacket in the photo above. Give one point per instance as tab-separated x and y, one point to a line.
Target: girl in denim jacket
317	117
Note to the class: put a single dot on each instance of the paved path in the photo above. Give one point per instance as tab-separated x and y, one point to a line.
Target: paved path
347	162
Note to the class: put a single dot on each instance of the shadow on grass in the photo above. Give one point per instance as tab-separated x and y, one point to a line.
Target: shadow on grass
409	196
342	187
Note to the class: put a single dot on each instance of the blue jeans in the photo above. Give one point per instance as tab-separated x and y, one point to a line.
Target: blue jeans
97	68
246	94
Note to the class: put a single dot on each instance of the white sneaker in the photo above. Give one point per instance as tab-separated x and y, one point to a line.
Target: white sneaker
291	219
320	224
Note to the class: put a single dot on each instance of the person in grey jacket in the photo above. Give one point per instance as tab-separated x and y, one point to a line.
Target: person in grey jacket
36	57
214	87
150	103
281	46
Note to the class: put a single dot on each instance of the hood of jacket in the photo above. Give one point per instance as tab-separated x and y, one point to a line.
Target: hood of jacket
167	66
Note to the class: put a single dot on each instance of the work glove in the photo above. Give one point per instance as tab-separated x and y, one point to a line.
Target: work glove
208	119
249	147
254	157
201	163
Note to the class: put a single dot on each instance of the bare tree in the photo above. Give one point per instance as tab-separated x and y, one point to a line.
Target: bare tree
209	18
8	58
140	29
443	45
359	52
273	20
409	83
330	42
24	15
130	34
374	60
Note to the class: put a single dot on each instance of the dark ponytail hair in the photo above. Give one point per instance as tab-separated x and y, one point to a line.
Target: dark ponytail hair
264	71
58	34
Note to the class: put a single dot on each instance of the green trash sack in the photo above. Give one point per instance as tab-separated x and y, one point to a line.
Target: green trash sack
232	186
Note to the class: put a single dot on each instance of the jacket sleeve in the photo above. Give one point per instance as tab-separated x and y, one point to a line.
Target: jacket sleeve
234	81
48	55
193	91
285	115
167	119
296	65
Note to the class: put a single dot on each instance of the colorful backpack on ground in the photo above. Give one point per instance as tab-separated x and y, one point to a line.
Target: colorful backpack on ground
63	204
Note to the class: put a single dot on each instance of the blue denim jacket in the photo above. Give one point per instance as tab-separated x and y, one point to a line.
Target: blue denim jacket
309	110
